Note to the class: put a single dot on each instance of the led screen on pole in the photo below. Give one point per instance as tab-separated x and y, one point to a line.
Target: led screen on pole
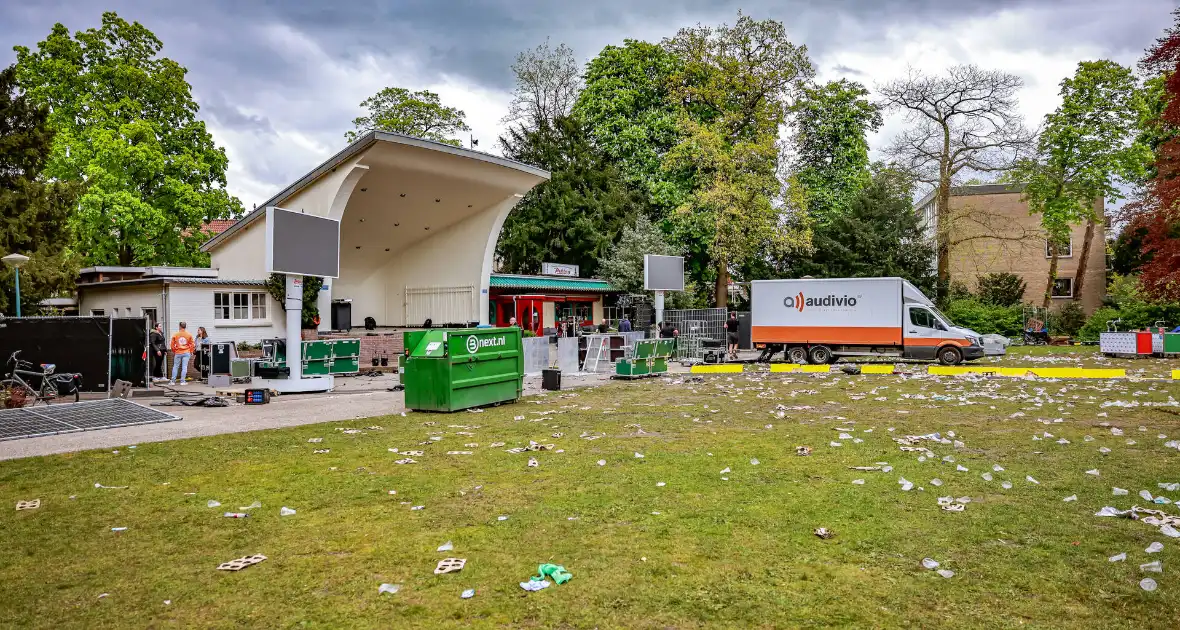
663	273
305	244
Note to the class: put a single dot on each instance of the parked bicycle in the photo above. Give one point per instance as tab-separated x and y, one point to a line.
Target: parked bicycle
17	386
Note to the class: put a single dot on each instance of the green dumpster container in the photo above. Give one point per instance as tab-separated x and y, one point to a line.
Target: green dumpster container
451	370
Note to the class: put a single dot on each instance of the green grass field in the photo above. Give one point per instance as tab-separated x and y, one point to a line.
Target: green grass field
699	551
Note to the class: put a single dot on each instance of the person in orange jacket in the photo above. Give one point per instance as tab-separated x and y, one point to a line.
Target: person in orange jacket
182	351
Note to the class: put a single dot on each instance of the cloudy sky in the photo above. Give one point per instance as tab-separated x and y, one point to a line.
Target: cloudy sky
279	81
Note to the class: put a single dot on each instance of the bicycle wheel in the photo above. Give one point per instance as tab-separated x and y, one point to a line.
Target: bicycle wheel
14	393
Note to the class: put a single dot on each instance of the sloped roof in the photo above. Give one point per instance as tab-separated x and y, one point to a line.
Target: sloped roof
548	283
213	228
368	139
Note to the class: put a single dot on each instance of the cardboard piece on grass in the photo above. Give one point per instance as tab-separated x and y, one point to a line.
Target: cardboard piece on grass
28	505
241	563
450	565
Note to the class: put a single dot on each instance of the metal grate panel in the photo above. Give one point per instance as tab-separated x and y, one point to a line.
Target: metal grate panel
699	328
72	417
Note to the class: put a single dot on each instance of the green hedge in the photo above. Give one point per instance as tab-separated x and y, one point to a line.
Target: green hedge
986	319
1134	315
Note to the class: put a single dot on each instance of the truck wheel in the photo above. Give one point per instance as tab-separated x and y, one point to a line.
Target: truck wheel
950	355
821	355
797	355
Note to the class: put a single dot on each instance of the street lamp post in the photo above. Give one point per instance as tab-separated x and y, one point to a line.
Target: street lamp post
16	261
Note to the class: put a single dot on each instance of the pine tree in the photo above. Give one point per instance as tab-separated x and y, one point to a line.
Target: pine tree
34	211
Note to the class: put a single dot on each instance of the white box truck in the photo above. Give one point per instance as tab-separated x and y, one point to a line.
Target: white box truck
819	320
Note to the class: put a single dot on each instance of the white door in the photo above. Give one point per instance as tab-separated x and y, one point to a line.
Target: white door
922	334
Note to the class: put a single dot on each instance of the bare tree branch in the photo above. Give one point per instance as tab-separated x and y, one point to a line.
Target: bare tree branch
963	122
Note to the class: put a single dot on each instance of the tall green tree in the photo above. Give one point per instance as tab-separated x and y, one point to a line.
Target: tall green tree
578	214
419	114
832	122
733	88
627	105
33	209
1086	148
878	235
126	125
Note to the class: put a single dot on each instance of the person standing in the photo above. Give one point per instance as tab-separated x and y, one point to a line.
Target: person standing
202	356
625	325
156	350
731	332
182	351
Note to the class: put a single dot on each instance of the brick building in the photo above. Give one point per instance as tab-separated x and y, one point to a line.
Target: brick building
994	232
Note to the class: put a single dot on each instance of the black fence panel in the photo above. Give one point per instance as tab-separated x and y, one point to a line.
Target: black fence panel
73	344
128	346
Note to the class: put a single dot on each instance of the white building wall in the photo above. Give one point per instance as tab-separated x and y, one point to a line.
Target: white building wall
243	255
455	257
193	304
125	298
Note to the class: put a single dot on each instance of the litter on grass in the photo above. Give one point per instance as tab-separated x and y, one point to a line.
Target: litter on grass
28	505
555	572
450	565
388	588
468	594
1154	547
1148	584
241	563
1118	558
286	511
823	532
535	586
447	546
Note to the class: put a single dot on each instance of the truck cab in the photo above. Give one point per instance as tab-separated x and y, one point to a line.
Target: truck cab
930	335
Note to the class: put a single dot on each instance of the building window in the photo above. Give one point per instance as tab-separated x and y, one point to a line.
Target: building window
257	306
98	312
1063	288
150	313
1064	250
239	307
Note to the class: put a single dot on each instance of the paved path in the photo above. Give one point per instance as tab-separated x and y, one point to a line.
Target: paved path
357	397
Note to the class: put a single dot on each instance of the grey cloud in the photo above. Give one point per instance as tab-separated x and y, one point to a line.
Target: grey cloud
236	68
842	69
